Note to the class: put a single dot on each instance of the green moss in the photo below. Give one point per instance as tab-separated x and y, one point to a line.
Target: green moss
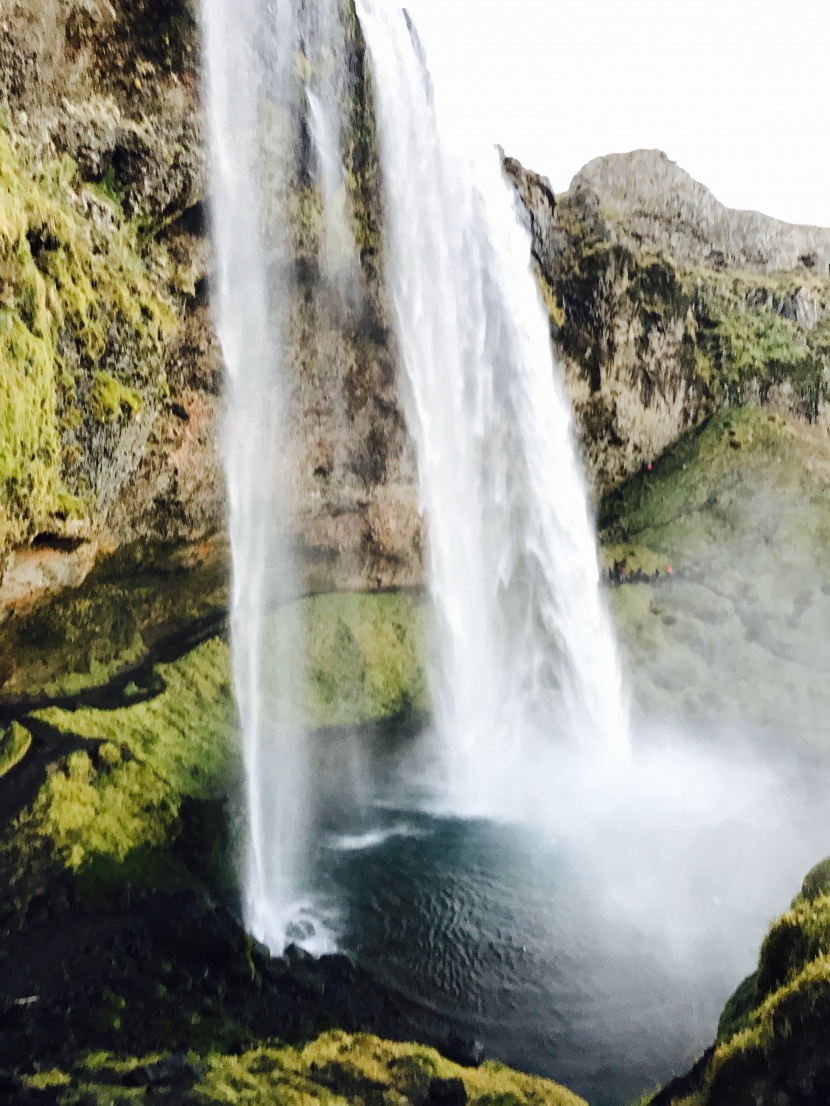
365	658
15	741
794	940
780	1014
552	305
760	346
172	739
738	1010
149	758
184	735
739	507
334	1070
88	815
74	298
108	188
109	399
85	636
661	509
43	1080
816	882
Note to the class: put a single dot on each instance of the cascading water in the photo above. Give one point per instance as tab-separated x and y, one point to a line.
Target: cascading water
275	85
524	641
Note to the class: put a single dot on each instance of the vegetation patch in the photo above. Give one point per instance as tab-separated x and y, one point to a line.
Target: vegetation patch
745	338
336	1069
82	329
739	508
15	741
108	808
109	399
86	636
146	745
365	658
674	507
771	1031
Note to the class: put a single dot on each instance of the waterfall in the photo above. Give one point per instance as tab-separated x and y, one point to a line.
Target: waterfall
275	84
523	640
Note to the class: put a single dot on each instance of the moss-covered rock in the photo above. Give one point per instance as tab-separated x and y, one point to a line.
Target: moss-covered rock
365	658
771	1045
15	742
85	636
666	306
335	1069
141	745
175	743
82	327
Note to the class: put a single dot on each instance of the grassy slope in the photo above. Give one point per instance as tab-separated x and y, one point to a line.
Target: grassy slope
111	808
739	507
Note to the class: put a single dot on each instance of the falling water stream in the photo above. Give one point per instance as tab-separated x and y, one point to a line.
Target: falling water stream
274	93
523	641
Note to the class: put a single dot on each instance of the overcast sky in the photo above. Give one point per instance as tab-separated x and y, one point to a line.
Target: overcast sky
736	91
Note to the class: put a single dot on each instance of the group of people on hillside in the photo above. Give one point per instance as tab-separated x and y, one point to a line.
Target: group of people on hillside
619	574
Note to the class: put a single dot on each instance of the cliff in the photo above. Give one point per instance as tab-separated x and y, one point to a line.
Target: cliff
666	306
108	421
111	494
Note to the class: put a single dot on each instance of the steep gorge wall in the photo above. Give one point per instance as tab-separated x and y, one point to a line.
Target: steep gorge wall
104	170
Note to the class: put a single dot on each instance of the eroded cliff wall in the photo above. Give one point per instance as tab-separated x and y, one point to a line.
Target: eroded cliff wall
664	306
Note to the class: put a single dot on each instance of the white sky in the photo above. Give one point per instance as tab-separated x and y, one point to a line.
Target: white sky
736	91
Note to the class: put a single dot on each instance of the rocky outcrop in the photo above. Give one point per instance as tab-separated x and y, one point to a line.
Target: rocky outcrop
771	1047
665	305
104	169
654	204
104	99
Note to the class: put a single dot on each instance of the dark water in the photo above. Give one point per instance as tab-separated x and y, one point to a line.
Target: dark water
597	949
495	933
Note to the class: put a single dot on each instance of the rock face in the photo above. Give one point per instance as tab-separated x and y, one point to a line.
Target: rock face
116	442
104	167
665	305
657	204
